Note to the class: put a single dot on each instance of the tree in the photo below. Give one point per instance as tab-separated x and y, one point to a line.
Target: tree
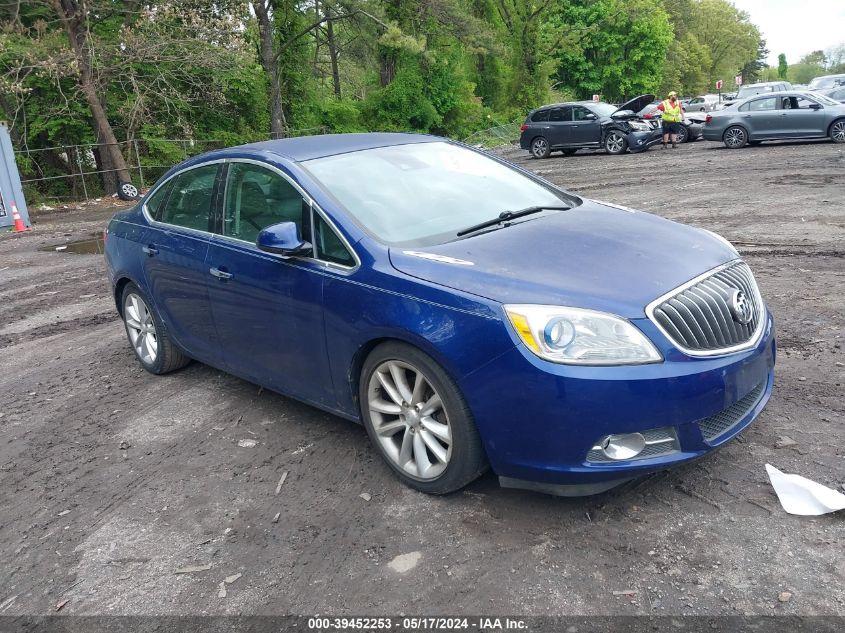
783	67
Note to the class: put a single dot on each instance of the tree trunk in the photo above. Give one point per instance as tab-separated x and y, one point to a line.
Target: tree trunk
330	41
73	14
278	124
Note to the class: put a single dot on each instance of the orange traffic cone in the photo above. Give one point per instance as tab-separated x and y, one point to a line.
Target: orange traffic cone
16	216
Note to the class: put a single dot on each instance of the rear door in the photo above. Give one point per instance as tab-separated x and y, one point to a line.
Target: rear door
559	119
763	118
175	248
585	128
268	309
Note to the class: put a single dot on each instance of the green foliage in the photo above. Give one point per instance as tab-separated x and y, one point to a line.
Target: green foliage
783	67
342	115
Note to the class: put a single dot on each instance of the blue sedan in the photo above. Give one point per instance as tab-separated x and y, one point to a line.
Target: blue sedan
467	312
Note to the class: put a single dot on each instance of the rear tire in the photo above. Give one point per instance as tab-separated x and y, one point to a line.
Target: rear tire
837	131
615	143
540	147
418	420
735	137
148	335
682	135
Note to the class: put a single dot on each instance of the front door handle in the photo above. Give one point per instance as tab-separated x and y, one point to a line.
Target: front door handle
150	250
220	274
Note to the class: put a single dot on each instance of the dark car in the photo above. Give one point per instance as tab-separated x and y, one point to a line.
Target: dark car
771	117
568	127
467	312
690	130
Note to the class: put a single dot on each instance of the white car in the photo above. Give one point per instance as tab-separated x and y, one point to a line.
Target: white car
704	103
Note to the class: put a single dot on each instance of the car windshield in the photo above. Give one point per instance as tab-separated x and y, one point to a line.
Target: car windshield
422	194
823	99
603	109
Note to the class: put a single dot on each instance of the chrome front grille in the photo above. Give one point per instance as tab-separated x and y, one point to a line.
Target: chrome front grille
702	318
719	424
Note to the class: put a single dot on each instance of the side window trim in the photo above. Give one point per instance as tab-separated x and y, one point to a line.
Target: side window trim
315	209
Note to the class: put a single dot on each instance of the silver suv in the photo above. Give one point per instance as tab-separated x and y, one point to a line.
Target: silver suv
756	89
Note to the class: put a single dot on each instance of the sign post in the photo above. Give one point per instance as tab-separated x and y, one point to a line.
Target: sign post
719	88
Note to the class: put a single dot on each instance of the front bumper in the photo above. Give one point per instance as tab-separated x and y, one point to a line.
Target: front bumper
539	420
641	141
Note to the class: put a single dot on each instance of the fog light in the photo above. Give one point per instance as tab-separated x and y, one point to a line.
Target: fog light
622	446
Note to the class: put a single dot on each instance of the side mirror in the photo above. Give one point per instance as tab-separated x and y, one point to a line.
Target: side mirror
282	239
815	106
589	117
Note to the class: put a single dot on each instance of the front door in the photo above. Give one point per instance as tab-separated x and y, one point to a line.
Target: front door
175	248
801	118
268	310
585	128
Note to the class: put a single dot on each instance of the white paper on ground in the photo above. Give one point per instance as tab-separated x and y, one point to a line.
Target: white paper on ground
799	495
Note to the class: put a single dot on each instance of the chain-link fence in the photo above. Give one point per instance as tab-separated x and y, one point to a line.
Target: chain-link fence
507	134
71	173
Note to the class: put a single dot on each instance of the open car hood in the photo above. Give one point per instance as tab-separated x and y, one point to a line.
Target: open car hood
635	105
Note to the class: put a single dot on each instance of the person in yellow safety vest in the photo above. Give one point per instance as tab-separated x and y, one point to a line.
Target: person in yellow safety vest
673	114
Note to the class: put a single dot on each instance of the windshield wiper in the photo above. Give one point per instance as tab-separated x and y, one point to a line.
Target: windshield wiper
504	216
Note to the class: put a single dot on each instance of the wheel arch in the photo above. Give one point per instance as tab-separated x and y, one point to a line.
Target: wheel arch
119	286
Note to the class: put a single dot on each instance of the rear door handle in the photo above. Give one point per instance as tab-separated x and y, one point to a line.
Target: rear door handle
150	250
220	274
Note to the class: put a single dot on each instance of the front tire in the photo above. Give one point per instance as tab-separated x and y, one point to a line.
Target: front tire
418	420
147	334
735	137
615	143
683	134
540	148
837	131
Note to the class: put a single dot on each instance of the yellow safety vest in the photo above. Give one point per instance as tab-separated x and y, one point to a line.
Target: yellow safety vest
670	114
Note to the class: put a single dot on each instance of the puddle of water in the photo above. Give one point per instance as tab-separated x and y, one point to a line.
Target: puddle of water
89	246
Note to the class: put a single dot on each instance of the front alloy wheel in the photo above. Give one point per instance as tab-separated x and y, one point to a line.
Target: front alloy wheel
735	137
615	143
418	420
683	135
409	420
837	131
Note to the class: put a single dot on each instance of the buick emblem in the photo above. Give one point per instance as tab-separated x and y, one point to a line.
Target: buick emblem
742	309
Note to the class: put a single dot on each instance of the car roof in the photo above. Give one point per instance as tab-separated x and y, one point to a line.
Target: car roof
303	148
565	103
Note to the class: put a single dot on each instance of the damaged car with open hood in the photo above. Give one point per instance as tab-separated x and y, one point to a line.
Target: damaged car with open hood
568	127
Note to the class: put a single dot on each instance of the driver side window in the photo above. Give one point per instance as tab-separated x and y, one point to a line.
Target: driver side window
256	198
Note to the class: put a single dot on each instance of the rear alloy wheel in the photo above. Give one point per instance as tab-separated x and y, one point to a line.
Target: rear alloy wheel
735	137
837	131
147	334
418	420
615	143
540	148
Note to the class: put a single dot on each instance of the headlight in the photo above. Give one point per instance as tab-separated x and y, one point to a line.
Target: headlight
639	126
573	336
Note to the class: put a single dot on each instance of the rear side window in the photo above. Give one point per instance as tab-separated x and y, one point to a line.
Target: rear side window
542	115
190	201
559	114
761	105
330	247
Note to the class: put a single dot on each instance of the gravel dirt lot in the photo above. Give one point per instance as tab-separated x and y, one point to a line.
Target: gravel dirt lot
113	480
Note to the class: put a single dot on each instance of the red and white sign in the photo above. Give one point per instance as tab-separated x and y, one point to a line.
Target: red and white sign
596	98
718	84
738	80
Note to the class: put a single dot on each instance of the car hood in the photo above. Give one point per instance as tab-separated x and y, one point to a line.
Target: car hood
636	104
595	256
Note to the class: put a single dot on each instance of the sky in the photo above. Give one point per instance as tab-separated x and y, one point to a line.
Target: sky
796	27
